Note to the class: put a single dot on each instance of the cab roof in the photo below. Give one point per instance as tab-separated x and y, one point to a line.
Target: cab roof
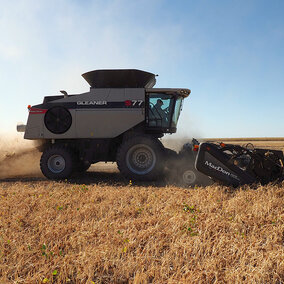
170	91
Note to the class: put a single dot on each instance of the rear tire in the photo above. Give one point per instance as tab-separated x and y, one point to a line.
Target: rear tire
57	162
140	158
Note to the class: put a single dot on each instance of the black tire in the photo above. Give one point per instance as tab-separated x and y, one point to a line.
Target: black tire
140	158
57	162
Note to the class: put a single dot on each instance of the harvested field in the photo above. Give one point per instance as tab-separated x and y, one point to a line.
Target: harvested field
100	228
75	233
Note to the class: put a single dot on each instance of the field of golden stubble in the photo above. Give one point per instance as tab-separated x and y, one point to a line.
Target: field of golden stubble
120	232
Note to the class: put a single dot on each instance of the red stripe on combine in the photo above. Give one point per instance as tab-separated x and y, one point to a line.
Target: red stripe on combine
37	110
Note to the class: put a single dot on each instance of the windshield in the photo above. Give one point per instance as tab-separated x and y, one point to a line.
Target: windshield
163	110
177	111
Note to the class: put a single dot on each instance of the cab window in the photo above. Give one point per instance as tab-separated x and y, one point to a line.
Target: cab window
160	110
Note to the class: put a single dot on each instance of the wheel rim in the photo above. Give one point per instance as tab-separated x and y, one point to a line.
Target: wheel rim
56	164
189	177
141	159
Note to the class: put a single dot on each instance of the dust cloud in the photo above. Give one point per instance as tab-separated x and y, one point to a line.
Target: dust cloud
188	128
18	157
176	143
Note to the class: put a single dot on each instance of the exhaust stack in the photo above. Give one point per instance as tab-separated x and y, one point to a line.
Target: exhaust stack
21	127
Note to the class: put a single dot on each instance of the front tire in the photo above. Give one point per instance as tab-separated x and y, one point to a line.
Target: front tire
57	162
140	158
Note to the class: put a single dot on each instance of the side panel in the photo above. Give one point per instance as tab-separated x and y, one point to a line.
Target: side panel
107	123
100	113
112	120
34	128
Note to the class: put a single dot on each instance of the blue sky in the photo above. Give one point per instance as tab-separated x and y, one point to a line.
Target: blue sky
229	53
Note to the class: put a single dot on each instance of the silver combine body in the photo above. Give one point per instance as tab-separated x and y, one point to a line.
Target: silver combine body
103	112
120	119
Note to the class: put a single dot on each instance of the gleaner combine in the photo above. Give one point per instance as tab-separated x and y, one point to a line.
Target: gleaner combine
121	119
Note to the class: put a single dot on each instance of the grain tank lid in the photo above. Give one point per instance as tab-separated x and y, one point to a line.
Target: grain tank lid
120	78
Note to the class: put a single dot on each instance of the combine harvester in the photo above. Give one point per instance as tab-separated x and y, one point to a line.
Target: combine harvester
121	119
